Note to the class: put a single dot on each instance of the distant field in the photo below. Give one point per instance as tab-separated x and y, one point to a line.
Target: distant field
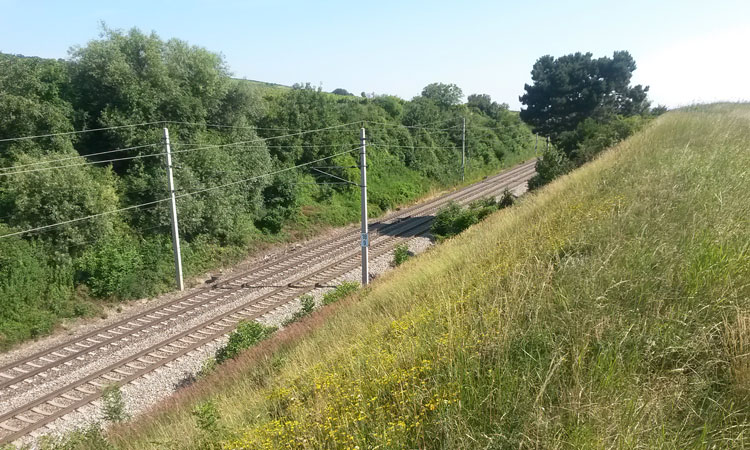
609	310
263	85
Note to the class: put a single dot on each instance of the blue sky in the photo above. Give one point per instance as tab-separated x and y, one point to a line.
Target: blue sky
686	50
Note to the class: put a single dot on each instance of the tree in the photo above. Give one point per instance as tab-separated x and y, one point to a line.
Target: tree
44	197
484	103
443	94
341	91
572	88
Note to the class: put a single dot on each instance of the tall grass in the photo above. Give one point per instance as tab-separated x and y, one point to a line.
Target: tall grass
610	309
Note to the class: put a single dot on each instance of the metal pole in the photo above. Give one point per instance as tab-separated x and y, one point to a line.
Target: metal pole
173	215
536	145
547	143
365	235
463	151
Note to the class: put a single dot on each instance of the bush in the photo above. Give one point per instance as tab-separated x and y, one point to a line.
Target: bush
341	291
34	290
400	254
113	406
245	336
506	200
308	304
207	417
452	220
552	164
111	267
445	220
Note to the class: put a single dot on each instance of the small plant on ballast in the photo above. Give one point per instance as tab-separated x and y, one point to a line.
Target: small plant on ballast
113	406
307	303
401	254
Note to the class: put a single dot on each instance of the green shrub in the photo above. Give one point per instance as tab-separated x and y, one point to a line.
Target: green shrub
506	200
207	417
445	220
308	304
113	406
341	291
111	267
208	366
551	165
91	438
35	290
400	254
245	336
452	219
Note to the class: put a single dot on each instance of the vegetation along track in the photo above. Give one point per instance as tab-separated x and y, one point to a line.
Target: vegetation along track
340	252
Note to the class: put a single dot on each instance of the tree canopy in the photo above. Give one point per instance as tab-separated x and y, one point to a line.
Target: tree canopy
569	89
443	94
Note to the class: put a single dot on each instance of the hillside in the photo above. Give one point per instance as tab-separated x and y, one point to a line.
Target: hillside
611	309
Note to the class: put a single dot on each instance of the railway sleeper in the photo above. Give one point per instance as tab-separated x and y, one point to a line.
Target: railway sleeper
25	419
7	427
40	411
69	397
54	402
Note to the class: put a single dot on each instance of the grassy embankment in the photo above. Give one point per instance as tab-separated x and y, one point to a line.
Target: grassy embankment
611	309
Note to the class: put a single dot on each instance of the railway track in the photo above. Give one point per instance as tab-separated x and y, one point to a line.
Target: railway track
336	256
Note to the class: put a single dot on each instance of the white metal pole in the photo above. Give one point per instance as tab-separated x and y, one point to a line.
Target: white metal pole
173	215
463	151
365	236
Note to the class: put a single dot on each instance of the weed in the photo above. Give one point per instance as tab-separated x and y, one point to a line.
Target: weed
401	254
245	336
307	303
341	291
208	366
507	199
113	405
207	417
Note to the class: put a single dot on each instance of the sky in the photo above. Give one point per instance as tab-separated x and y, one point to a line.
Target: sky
686	51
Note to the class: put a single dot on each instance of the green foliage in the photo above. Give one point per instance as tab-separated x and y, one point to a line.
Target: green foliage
113	405
307	305
572	88
341	91
34	290
90	438
208	366
401	254
341	291
551	165
443	94
207	418
452	219
111	266
506	200
51	196
245	336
